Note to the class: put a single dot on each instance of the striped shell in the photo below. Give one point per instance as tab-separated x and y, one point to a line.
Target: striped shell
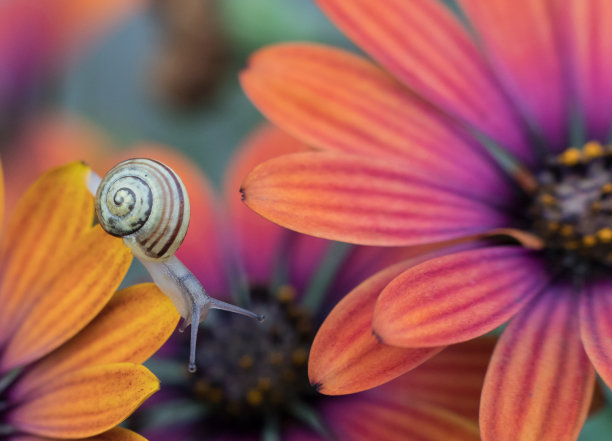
146	203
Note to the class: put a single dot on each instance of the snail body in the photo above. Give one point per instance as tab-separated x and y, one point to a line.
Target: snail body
145	202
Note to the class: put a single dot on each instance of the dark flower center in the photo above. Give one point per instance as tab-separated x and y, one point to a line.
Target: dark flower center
248	371
572	207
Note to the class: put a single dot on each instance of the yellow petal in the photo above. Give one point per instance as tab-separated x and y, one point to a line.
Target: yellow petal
116	434
132	326
86	402
90	272
53	214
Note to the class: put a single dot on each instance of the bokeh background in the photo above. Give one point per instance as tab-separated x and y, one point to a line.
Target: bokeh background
167	72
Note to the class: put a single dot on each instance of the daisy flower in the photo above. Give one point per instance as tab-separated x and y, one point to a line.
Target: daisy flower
488	122
252	382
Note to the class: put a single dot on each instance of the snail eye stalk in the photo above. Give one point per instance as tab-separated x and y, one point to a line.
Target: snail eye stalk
145	202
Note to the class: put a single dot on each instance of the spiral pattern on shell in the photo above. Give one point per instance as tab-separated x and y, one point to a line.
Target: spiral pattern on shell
146	203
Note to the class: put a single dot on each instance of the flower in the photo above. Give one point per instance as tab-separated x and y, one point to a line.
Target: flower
251	377
36	38
469	127
70	347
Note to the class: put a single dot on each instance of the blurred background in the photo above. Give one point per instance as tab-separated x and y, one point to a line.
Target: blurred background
131	71
161	71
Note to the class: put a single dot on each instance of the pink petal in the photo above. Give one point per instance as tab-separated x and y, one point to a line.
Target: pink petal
457	297
540	382
521	44
424	44
596	328
365	418
452	379
345	357
363	200
338	101
261	245
587	37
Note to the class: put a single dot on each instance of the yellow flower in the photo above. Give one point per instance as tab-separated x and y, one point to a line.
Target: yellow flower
70	350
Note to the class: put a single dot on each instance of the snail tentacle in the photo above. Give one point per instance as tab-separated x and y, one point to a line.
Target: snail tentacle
144	202
189	297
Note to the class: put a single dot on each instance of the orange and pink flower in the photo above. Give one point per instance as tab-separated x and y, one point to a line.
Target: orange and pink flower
252	377
461	130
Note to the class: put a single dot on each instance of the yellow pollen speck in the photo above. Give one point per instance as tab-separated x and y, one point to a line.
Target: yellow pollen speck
554	226
548	199
571	245
201	388
299	356
589	241
215	395
605	235
264	383
275	357
593	149
254	397
606	188
567	230
246	361
289	375
285	293
571	156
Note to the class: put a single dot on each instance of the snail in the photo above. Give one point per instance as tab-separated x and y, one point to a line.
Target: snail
145	202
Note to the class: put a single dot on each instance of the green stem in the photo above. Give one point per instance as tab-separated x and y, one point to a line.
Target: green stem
328	268
311	418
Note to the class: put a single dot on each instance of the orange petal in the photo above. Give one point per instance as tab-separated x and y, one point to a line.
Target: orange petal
540	381
89	273
458	297
258	240
427	47
452	380
338	101
370	419
86	402
362	200
521	44
116	434
130	328
53	215
595	326
345	357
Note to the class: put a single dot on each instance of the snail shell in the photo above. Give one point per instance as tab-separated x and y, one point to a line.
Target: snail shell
144	202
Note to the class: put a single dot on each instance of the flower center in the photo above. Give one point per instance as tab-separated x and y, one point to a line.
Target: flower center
572	207
247	371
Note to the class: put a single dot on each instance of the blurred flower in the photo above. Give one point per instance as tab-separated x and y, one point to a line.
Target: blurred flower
37	37
420	151
70	350
252	377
